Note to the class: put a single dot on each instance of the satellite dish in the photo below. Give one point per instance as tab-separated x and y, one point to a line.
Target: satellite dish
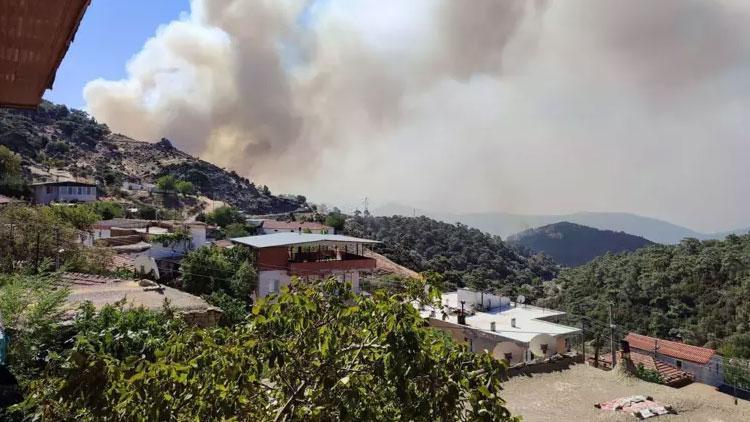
521	299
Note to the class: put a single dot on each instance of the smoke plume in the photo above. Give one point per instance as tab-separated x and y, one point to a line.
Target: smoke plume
539	107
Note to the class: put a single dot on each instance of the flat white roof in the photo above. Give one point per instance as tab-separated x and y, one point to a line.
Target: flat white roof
291	239
528	322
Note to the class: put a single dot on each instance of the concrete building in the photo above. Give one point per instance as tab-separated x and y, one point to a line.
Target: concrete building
514	332
65	191
705	365
281	256
273	226
101	291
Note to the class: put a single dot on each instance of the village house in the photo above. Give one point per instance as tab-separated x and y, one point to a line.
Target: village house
149	247
101	291
273	226
514	332
281	256
63	191
704	364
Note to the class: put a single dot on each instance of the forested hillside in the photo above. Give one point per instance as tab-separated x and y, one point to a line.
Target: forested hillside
464	255
573	244
55	141
695	291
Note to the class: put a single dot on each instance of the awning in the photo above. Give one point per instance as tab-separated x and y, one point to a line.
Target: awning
34	37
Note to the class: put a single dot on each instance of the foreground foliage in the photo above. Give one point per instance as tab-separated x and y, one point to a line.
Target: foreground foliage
317	353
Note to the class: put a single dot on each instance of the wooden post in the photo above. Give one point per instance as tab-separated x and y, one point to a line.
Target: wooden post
612	337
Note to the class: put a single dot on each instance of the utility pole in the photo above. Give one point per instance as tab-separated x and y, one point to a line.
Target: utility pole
57	248
612	336
583	339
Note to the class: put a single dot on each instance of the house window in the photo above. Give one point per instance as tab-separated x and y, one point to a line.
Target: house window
717	368
49	189
678	363
80	190
509	356
544	348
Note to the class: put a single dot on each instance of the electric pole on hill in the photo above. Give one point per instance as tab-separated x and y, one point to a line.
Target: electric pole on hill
612	336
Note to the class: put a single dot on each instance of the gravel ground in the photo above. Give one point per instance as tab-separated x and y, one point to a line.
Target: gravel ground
570	395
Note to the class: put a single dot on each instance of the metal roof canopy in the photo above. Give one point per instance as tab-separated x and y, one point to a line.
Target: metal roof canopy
291	239
34	37
64	183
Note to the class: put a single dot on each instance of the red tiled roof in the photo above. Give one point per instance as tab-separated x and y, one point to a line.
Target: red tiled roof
670	375
673	349
287	225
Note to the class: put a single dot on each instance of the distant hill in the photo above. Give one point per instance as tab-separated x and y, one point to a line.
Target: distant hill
55	141
506	224
572	244
459	252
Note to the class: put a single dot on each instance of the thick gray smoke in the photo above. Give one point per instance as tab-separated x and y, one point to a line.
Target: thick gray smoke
540	107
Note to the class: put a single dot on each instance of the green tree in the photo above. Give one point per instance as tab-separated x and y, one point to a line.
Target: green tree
315	352
31	307
209	269
236	230
82	217
108	210
30	235
166	183
11	180
10	162
336	220
224	216
184	187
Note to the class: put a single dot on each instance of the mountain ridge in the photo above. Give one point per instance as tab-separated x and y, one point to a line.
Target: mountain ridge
506	224
572	244
57	142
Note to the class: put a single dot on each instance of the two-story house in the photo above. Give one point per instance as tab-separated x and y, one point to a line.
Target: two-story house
281	256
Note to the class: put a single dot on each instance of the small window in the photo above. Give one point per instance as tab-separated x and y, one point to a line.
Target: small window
509	356
678	363
49	189
717	368
80	190
544	348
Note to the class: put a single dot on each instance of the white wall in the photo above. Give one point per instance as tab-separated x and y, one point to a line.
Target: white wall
711	373
272	231
45	194
485	300
271	282
102	233
197	235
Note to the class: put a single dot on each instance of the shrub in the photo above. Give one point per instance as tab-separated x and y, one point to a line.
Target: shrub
315	352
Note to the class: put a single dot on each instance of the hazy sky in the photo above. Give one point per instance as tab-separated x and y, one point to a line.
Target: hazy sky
521	106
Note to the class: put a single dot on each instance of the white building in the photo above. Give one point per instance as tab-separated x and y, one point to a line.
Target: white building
66	191
513	332
136	187
273	226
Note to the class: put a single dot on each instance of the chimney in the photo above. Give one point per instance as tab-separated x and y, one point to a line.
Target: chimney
513	322
492	326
